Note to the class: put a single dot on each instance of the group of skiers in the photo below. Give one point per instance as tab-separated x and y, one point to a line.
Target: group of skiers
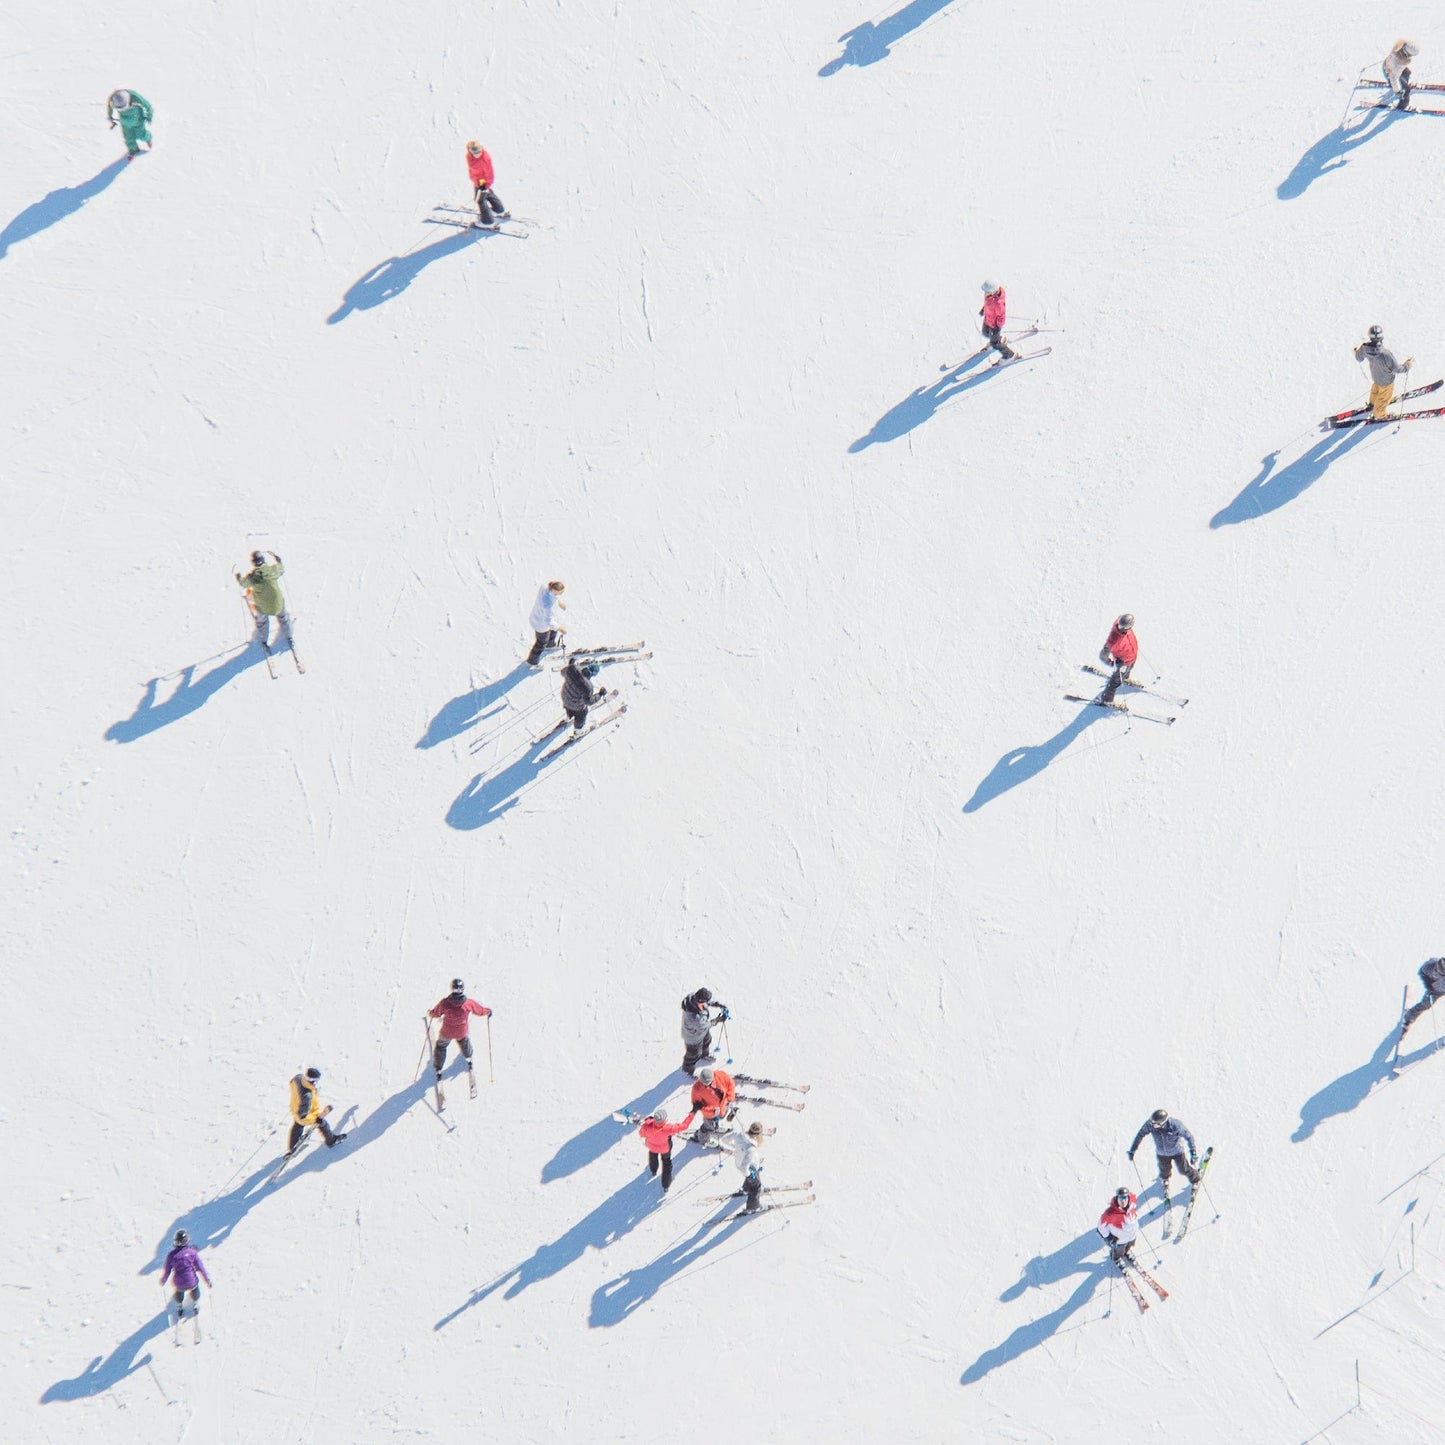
1119	1223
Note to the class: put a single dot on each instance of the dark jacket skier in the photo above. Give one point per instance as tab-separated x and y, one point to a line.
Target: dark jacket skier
578	691
1432	975
1170	1137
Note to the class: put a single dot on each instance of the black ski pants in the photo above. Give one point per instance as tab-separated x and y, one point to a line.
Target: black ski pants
439	1053
297	1130
694	1054
753	1193
994	336
1167	1162
488	201
666	1161
543	642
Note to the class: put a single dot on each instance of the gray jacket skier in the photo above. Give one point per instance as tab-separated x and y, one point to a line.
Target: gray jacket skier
1432	975
1383	366
697	1021
1170	1137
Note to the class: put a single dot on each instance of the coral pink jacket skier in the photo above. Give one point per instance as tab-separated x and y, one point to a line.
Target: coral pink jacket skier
995	309
1122	645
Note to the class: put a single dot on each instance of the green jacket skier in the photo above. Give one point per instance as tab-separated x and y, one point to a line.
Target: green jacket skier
134	113
263	594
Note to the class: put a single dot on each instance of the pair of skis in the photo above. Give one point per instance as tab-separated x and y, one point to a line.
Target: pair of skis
452	216
1194	1191
1357	415
1003	360
1128	1268
1137	687
195	1324
578	733
758	1083
1362	417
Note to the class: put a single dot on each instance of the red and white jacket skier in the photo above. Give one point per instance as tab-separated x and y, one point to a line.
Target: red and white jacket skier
1119	1223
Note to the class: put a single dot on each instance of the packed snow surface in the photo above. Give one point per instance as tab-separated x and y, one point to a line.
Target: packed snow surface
714	390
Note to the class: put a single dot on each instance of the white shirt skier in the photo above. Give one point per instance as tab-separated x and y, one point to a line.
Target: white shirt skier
544	610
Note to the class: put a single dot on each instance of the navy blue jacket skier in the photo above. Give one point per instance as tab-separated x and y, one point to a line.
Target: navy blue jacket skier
1170	1138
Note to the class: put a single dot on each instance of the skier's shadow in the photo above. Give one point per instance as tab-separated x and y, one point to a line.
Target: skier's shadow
921	403
189	694
462	711
614	1301
391	277
1351	1090
488	798
103	1372
211	1223
1018	765
866	44
40	215
609	1222
1269	489
1073	1258
1332	152
596	1139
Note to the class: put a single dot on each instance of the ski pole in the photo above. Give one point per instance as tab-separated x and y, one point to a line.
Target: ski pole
426	1047
491	1077
1138	1175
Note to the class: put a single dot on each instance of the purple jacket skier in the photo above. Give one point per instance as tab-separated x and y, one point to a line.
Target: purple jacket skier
184	1263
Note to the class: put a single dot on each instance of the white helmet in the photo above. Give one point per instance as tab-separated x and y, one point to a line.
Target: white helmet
989	287
660	1115
1409	49
705	1073
121	99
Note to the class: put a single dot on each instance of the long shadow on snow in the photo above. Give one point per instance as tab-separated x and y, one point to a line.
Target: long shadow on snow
40	215
921	403
211	1223
1351	1090
466	708
1018	765
391	277
485	799
866	44
618	1298
1332	152
1072	1259
596	1139
613	1218
1269	490
103	1372
190	694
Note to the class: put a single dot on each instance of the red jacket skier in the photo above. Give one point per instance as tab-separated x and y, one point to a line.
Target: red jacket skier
1120	652
658	1134
483	173
713	1095
995	316
454	1011
1119	1223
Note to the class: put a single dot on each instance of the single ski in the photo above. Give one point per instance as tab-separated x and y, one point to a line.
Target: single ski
1341	417
291	1154
472	211
196	1325
475	225
767	1189
771	1103
1118	707
1395	105
606	659
1168	1208
770	1083
1138	686
1020	356
1131	1282
1390	420
1400	1037
577	737
180	1315
1132	1264
551	731
472	1082
768	1208
1194	1196
441	1095
1381	84
296	658
712	1138
600	651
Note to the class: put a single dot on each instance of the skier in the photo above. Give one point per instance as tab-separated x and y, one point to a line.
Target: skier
306	1111
995	315
482	172
184	1261
453	1011
697	1022
1432	975
263	595
1170	1137
543	623
1383	371
1119	1224
1397	70
747	1153
578	691
134	113
658	1134
1120	652
714	1096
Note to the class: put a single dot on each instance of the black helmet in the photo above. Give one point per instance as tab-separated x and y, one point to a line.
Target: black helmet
1121	1196
459	985
258	559
313	1074
182	1238
591	669
1159	1116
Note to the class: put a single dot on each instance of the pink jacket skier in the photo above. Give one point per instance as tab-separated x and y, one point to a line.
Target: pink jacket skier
995	317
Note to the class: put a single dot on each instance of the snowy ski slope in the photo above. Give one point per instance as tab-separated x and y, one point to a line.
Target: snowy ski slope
992	929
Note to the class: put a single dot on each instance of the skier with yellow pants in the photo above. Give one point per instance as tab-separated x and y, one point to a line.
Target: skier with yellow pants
1383	371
